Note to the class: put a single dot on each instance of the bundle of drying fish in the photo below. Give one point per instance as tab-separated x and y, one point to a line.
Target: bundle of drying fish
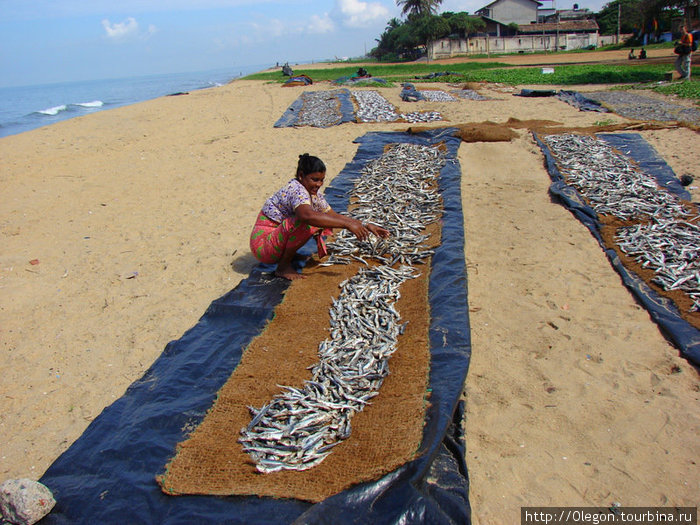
299	427
667	240
609	181
372	107
436	95
469	94
670	247
395	191
320	109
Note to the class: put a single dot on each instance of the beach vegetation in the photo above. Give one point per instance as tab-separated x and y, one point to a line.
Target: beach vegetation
573	74
689	89
400	72
418	8
462	24
408	39
636	75
639	17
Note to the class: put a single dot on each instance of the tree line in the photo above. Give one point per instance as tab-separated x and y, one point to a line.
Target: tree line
421	24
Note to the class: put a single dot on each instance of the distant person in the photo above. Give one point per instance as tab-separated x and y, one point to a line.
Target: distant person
361	73
631	55
684	50
642	54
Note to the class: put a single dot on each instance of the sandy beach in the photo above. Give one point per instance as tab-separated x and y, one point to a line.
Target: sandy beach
120	228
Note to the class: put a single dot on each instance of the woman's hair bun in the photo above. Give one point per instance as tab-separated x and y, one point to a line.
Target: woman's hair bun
309	164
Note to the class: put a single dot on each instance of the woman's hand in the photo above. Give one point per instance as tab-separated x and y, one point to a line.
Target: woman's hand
378	230
363	230
359	229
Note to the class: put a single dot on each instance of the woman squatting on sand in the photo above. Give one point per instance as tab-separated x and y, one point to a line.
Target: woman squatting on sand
294	214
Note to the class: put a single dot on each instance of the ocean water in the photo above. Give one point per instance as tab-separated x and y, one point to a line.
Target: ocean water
30	107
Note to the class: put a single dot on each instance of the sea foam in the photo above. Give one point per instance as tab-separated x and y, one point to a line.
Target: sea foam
93	104
54	110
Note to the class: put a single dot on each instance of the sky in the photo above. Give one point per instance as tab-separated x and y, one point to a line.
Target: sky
45	41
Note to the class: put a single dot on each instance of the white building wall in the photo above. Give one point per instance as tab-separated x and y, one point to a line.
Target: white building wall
481	45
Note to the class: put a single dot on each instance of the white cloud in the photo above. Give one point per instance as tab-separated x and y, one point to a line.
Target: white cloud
127	28
320	24
355	13
120	30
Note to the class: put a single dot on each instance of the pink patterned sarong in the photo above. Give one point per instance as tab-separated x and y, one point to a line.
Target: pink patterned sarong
269	239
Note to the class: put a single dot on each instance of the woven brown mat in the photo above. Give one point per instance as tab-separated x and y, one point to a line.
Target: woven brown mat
385	435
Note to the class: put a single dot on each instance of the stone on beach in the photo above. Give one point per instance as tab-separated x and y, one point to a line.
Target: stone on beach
24	502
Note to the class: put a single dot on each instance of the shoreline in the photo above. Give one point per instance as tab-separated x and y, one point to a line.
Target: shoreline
139	218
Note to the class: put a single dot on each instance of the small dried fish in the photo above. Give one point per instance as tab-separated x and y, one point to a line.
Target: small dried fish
671	247
667	238
373	107
299	427
610	181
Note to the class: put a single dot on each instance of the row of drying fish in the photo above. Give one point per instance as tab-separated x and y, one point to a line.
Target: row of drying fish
469	94
437	95
298	429
610	182
373	107
395	191
668	238
320	109
670	247
300	426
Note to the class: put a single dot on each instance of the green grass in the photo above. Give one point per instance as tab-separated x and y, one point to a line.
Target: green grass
396	72
689	89
635	75
567	75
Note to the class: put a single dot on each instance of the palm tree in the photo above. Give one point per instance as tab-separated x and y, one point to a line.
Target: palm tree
419	7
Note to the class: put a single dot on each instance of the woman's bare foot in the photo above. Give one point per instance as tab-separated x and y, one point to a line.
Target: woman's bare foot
288	272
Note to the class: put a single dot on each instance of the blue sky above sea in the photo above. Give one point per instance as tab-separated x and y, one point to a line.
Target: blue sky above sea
45	41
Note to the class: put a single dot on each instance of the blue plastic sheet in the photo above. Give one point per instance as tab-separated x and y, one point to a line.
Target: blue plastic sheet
108	475
580	101
347	109
664	312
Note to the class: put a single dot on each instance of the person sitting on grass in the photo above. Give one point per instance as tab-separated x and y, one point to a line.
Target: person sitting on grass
631	55
642	54
294	214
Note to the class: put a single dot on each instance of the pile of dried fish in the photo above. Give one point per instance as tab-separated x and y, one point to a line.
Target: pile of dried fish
436	95
670	247
372	107
395	191
320	109
639	107
469	94
609	181
298	428
666	239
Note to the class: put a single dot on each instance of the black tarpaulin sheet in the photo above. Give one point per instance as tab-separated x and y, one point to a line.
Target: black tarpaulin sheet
347	109
580	101
664	312
108	475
